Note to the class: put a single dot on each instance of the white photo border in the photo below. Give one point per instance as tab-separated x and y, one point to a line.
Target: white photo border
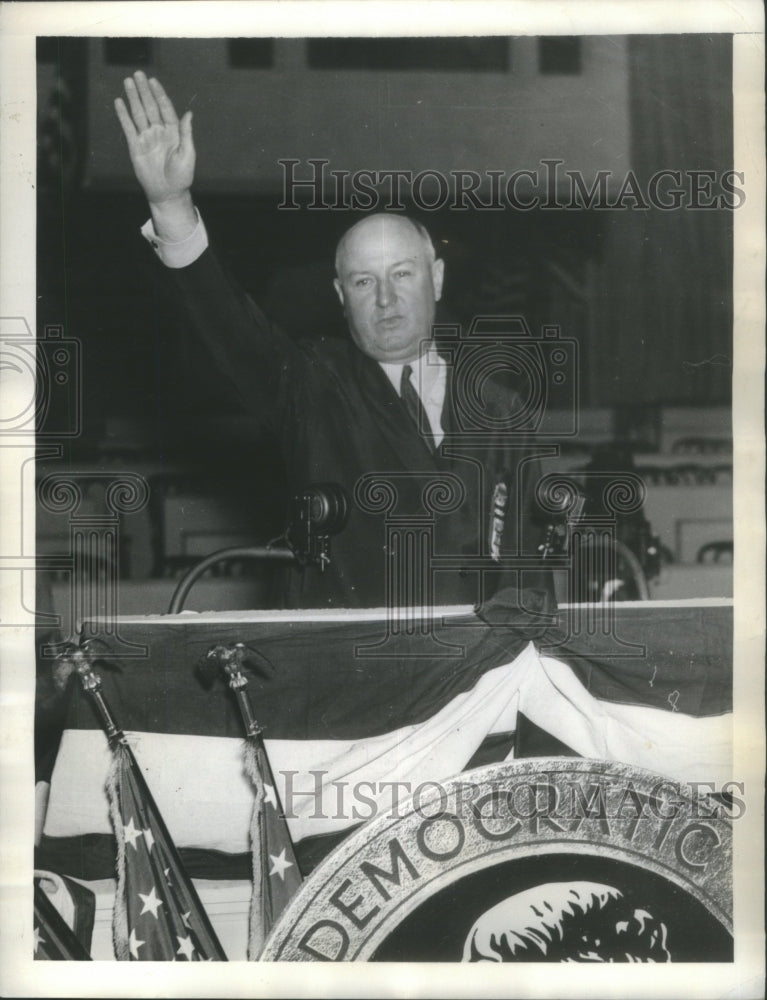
20	24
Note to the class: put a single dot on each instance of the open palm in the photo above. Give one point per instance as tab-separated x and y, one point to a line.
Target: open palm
160	146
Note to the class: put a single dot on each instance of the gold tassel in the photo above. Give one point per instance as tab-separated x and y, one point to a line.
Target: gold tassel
119	913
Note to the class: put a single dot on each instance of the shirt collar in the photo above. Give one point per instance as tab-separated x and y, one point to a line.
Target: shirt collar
428	370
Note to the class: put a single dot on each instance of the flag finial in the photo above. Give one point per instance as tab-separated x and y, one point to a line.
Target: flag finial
230	660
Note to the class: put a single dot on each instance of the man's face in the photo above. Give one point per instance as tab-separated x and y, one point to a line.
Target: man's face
388	286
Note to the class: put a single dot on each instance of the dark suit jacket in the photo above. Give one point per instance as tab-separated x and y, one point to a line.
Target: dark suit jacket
338	419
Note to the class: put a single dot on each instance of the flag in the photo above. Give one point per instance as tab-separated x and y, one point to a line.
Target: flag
349	731
157	914
54	939
276	875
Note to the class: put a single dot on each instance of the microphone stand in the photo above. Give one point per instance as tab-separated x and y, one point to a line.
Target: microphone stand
317	512
189	579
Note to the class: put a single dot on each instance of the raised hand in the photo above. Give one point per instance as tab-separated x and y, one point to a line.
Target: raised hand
161	151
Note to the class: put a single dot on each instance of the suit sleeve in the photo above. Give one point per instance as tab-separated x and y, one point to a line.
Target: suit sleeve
260	367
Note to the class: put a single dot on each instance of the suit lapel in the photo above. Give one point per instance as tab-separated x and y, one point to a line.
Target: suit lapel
392	420
448	412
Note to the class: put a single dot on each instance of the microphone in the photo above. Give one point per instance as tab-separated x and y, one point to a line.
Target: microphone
316	513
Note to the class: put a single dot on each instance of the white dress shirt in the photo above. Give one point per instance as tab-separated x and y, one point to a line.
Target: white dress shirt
429	377
180	254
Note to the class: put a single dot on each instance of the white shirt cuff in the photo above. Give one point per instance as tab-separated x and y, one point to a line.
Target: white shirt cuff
180	254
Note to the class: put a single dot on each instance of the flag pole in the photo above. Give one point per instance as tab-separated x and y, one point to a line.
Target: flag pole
156	862
269	835
82	658
230	659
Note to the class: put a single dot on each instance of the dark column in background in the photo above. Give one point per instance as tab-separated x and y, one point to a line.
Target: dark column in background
665	301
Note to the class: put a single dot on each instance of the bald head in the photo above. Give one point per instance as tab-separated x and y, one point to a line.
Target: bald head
388	281
382	222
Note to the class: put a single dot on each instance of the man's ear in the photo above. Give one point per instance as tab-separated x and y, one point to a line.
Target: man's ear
437	277
339	291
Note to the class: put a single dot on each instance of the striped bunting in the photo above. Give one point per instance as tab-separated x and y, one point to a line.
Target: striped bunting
349	735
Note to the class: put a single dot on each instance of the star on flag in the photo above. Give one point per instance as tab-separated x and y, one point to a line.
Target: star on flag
131	833
134	944
276	875
151	903
279	864
185	946
269	797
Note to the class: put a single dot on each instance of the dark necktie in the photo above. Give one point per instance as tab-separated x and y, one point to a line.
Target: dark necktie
414	406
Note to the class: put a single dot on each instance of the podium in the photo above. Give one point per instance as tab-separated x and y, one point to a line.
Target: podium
351	739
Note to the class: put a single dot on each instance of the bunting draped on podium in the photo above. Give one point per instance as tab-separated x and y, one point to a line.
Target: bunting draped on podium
351	727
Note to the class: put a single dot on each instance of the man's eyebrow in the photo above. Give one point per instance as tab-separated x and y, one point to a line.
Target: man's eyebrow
399	263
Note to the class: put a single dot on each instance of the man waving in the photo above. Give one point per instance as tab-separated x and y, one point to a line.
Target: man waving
378	413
